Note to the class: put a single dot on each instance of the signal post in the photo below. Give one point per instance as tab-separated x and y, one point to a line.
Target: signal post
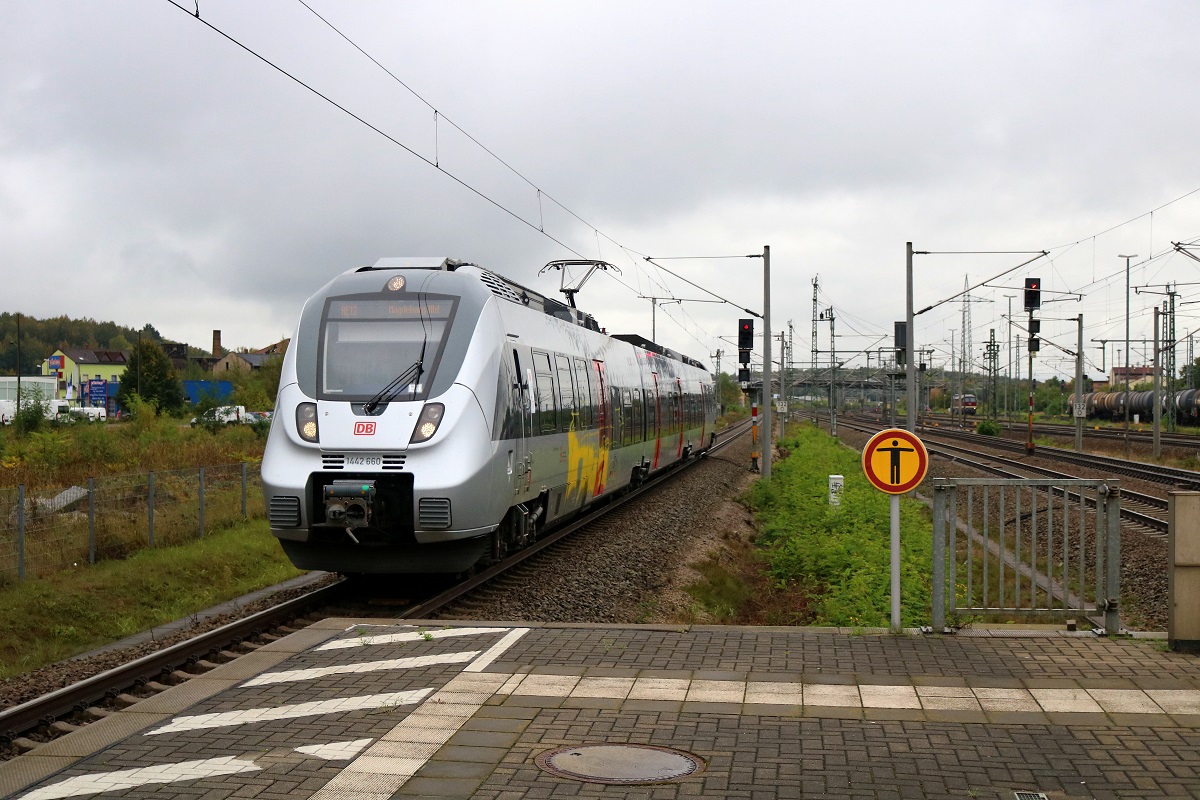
745	344
1033	301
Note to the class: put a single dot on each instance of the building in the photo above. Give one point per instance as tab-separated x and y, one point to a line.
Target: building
89	376
1136	374
241	362
41	384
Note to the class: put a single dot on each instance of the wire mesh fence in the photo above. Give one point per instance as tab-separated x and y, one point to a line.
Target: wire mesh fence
47	530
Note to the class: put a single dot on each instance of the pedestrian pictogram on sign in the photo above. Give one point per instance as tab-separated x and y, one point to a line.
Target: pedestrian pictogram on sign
895	461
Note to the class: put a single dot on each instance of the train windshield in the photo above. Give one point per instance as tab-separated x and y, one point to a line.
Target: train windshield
367	343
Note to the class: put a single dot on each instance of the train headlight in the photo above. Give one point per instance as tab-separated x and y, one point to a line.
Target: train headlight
306	421
427	423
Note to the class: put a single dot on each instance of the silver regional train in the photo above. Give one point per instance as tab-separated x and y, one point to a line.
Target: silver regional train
432	414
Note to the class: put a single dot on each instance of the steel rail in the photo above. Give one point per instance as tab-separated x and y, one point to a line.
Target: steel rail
952	452
77	697
424	609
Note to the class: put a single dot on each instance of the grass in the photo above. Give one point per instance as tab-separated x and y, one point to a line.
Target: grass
49	619
69	454
817	564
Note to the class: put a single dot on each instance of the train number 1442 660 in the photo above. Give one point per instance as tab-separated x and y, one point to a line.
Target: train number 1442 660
365	461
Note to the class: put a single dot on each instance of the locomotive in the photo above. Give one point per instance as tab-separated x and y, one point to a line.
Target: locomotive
432	414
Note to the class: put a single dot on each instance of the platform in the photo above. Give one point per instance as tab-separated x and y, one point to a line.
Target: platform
356	710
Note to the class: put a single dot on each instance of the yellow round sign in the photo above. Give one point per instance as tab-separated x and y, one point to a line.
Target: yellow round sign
895	461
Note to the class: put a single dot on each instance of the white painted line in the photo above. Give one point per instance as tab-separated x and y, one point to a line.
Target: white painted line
337	751
407	636
289	676
879	696
312	709
674	689
143	776
831	694
1124	701
496	650
1005	699
716	691
609	688
1176	701
547	685
388	764
1066	700
774	693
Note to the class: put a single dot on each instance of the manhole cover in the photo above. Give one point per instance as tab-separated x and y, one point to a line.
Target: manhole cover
619	763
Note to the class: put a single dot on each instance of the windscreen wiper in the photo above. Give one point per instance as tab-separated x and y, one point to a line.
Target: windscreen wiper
409	376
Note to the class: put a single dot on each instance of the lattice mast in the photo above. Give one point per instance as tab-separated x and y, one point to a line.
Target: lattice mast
816	315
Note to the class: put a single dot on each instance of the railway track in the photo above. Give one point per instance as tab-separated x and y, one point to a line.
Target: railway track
431	607
1091	431
1143	574
1146	511
74	706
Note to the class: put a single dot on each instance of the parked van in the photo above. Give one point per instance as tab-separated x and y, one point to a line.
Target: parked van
90	413
228	415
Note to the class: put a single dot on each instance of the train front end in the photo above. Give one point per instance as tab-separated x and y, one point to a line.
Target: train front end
381	454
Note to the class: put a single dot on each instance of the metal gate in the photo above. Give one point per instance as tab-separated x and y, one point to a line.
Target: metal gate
1026	546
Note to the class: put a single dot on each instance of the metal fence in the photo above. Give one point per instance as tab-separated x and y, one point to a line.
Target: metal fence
1026	546
48	530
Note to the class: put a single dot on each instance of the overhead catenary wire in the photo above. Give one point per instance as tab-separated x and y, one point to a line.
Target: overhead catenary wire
374	128
539	226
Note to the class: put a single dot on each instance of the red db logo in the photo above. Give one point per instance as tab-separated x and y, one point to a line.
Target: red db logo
364	429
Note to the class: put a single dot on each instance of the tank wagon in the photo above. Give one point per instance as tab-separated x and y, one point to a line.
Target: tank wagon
432	414
1111	405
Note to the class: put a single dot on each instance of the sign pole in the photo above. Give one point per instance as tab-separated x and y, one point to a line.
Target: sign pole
895	563
895	462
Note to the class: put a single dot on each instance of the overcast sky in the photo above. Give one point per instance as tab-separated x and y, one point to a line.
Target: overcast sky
153	171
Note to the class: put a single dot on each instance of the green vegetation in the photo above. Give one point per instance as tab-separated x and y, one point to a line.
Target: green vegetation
63	455
41	337
150	375
988	427
837	557
49	619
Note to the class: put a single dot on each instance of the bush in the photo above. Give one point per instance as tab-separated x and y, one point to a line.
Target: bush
31	416
839	555
987	427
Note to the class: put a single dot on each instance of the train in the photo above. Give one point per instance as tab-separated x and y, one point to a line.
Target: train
1111	405
963	405
433	415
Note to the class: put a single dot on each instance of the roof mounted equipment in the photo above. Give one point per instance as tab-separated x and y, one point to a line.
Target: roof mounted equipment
592	266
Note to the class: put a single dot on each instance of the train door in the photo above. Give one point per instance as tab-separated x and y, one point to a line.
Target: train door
655	404
604	424
677	410
520	463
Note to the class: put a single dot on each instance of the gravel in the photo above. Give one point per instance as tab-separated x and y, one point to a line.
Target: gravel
614	570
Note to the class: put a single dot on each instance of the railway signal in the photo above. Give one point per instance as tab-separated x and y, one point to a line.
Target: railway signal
1033	293
745	340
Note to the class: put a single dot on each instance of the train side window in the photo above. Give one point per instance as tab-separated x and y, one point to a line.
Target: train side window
639	430
652	408
566	394
543	375
583	395
618	418
627	416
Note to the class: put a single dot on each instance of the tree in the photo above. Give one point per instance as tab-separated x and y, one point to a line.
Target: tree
256	389
729	394
150	369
